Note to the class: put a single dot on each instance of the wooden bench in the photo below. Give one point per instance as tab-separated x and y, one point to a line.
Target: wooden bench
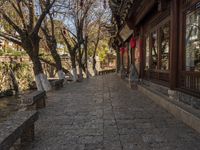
18	126
57	84
35	100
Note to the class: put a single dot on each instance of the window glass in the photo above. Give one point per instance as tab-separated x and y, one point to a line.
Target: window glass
164	46
147	53
192	52
154	50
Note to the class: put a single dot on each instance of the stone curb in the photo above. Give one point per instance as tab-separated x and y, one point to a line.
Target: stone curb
183	113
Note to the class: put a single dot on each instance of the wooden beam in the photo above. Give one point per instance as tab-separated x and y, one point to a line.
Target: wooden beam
147	6
162	5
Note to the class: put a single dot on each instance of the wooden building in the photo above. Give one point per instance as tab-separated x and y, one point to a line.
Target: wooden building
161	39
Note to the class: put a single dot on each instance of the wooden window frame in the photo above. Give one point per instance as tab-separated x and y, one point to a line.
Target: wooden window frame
148	34
157	72
185	7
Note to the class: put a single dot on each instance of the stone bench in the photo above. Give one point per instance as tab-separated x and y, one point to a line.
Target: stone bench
35	100
18	126
57	84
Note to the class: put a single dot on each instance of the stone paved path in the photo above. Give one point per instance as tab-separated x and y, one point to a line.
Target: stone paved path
104	114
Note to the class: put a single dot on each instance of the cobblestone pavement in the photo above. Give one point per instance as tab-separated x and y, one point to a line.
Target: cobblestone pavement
104	114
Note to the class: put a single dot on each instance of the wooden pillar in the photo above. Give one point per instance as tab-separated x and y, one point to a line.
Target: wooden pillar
118	59
122	59
174	13
128	59
131	53
142	53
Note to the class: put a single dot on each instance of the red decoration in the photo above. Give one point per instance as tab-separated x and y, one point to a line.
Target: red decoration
122	50
133	42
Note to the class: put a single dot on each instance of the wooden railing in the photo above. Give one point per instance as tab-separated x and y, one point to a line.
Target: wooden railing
157	75
190	81
102	72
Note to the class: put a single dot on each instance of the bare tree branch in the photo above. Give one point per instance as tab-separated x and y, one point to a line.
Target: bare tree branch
42	16
10	38
8	20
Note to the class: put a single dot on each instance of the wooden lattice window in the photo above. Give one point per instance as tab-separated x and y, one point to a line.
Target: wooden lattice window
192	40
190	70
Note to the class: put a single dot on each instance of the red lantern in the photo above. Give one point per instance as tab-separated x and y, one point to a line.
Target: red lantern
122	50
133	42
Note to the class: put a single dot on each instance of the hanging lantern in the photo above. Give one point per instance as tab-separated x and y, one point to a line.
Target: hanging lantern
133	42
122	50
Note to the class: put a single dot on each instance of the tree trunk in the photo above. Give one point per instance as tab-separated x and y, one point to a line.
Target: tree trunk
57	60
14	82
94	64
95	50
86	57
52	44
80	65
74	71
41	80
75	76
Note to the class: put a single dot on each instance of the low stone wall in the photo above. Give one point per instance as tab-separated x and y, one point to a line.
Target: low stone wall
185	98
187	114
159	88
174	95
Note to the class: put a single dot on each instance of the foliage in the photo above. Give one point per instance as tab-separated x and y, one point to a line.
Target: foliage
12	52
23	73
103	51
21	25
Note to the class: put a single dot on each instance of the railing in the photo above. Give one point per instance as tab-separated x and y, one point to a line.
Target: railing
102	72
157	75
190	81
